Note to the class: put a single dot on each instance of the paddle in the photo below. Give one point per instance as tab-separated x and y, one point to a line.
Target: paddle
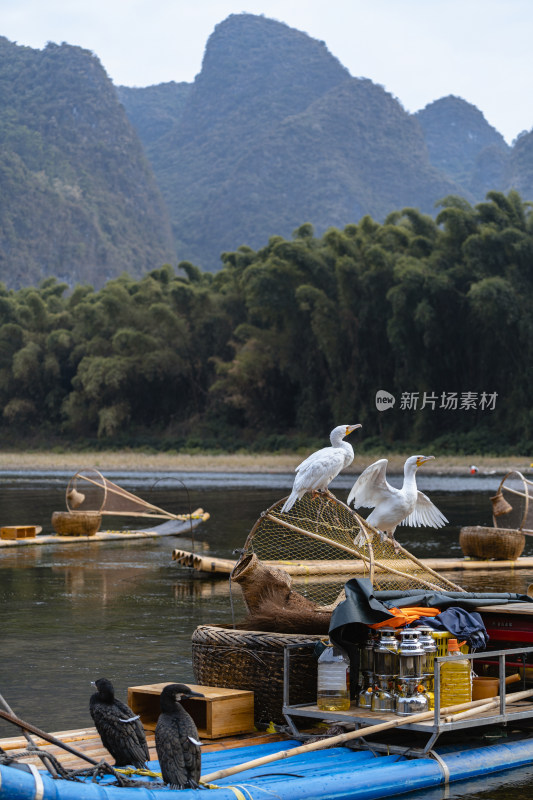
26	726
345	737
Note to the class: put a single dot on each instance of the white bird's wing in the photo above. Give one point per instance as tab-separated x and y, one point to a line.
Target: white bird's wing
316	456
425	514
371	487
317	471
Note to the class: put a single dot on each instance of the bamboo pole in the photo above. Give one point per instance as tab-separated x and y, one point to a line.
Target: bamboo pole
346	737
365	525
491	702
118	490
32	745
353	551
46	736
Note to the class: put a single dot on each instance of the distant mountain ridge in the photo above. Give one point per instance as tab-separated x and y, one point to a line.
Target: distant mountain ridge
272	133
463	145
79	200
275	132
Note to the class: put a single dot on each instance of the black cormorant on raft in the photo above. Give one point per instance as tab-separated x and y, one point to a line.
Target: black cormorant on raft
176	740
120	730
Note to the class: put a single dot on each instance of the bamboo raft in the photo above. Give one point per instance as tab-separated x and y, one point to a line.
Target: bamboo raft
88	741
205	566
331	774
173	527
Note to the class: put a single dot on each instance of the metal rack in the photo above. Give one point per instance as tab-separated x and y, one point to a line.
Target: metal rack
359	717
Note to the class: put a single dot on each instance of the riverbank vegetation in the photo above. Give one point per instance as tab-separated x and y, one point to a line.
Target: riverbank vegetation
285	342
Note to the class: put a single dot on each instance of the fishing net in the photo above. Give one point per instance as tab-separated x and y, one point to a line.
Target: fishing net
512	505
88	490
334	543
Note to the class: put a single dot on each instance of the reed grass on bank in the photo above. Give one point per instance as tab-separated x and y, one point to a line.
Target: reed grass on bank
241	462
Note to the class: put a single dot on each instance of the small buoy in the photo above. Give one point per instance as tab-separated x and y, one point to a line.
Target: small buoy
473	470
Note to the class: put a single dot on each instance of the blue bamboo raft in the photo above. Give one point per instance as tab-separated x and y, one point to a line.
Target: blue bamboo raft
335	773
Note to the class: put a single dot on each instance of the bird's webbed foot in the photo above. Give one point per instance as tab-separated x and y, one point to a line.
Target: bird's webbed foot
394	543
360	539
321	494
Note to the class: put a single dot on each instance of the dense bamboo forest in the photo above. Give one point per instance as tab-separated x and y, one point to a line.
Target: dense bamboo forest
283	343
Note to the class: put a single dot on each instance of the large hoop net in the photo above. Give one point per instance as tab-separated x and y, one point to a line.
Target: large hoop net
512	505
88	490
335	543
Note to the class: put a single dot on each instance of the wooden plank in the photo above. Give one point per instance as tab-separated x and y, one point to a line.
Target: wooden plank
89	742
508	608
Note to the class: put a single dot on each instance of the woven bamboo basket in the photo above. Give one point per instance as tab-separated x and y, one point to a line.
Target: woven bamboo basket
253	660
502	544
76	523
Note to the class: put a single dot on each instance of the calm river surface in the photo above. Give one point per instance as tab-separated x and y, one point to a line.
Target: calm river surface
73	613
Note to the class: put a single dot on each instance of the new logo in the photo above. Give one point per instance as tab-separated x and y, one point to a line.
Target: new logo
384	400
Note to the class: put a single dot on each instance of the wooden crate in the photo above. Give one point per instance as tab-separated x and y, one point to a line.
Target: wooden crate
18	532
221	712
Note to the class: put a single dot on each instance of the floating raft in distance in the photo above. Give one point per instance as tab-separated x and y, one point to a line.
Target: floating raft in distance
172	527
221	567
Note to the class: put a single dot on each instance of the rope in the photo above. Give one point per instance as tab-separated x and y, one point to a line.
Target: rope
240	553
147	773
101	770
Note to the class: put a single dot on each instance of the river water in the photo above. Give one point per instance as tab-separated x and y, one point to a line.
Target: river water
124	610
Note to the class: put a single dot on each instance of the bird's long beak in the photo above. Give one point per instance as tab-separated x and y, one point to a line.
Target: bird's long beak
423	459
350	428
194	694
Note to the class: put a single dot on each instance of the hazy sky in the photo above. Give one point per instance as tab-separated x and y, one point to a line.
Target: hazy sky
419	50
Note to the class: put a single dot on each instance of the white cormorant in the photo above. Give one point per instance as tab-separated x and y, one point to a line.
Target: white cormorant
392	507
318	470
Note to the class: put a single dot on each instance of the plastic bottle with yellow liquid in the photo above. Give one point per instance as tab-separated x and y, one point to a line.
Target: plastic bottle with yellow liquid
333	684
455	678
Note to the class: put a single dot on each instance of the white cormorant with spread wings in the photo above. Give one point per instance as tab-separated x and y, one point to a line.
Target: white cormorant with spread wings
392	507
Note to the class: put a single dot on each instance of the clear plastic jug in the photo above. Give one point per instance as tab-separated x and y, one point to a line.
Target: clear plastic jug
333	686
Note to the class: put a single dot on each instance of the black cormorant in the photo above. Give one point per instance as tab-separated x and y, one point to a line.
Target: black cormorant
176	739
120	729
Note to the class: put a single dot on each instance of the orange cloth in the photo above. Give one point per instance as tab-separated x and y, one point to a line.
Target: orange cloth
403	616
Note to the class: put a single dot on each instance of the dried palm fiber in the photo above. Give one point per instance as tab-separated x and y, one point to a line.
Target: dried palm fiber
501	544
320	528
89	490
254	660
512	505
272	603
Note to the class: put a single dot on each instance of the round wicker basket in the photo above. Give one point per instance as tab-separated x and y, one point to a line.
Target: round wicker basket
76	523
253	660
502	544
